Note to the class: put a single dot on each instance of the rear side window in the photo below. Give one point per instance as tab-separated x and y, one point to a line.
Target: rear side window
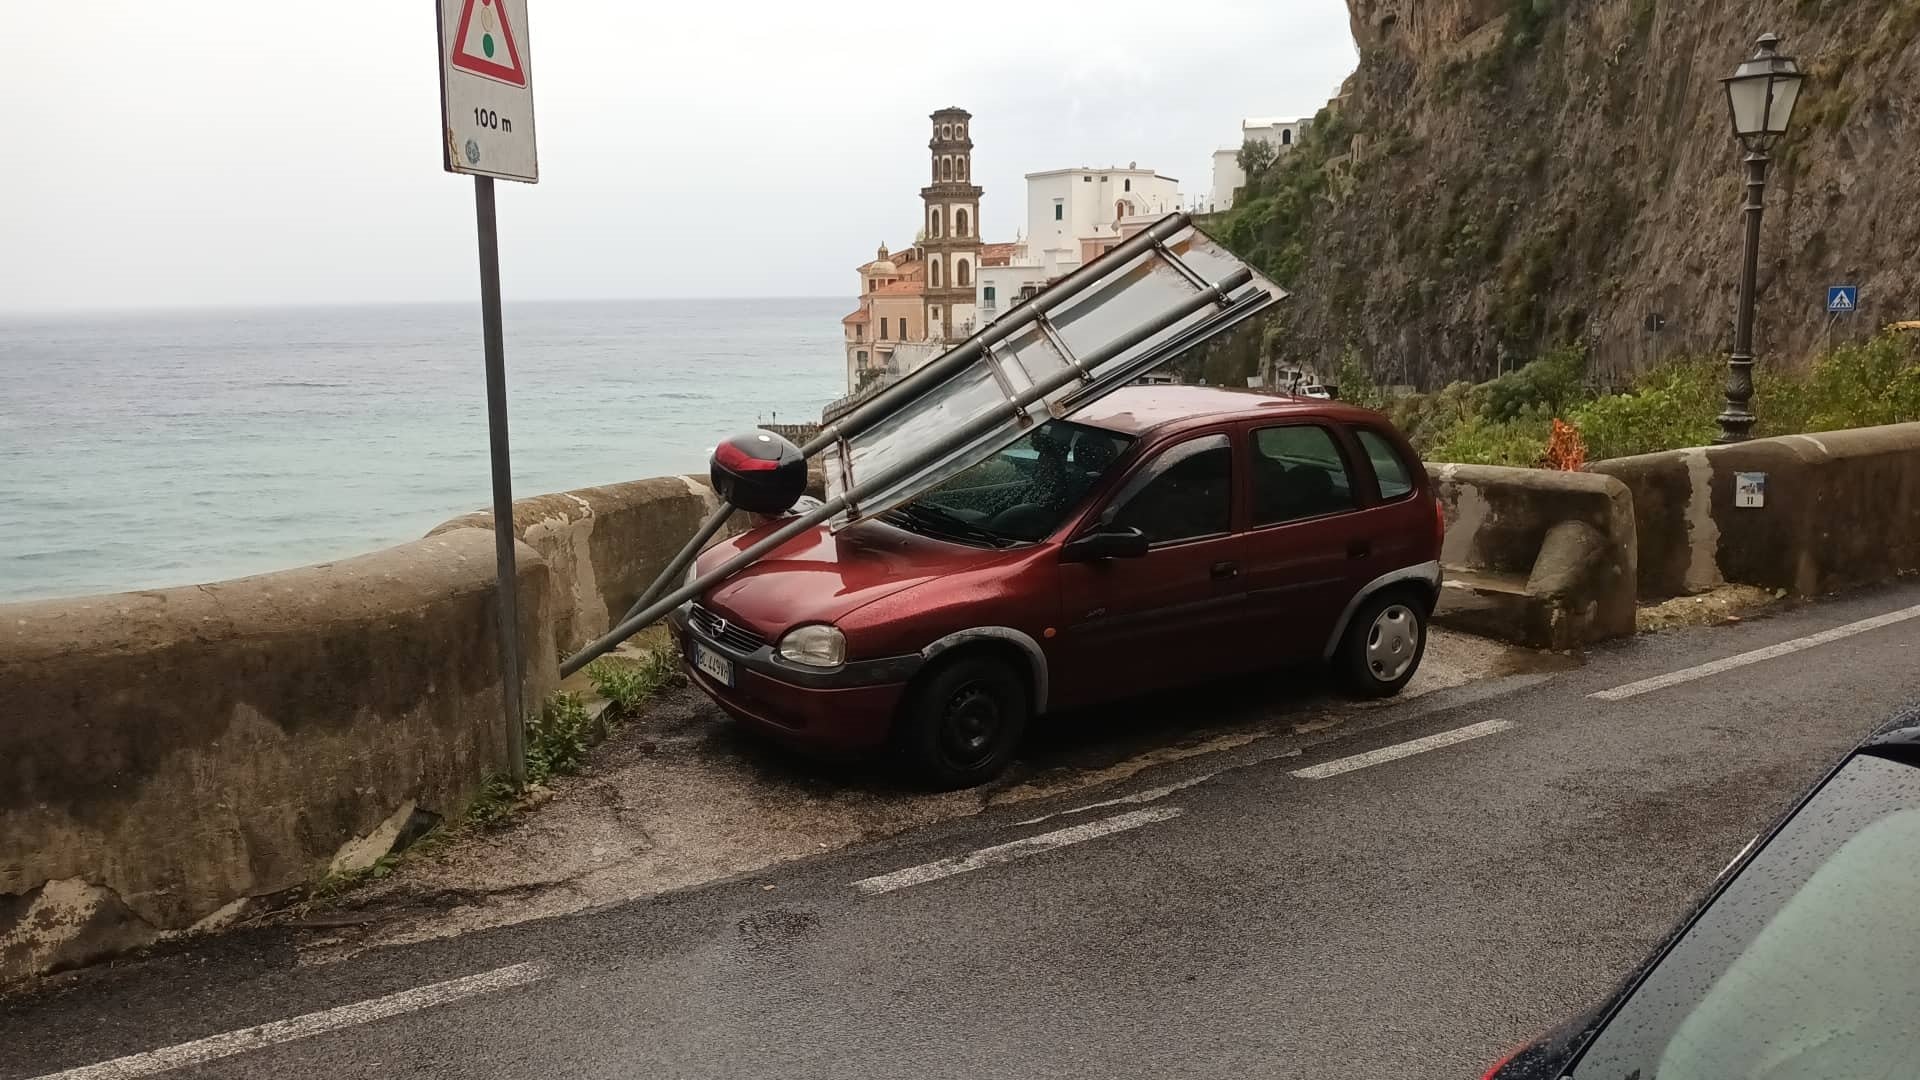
1802	969
1388	467
1298	473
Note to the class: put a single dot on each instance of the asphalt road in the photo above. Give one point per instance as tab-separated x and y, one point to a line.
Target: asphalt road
1410	902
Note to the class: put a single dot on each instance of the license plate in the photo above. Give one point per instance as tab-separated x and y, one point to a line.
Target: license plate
713	665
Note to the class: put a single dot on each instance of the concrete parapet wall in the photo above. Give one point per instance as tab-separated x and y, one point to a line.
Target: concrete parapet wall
1842	508
1543	558
166	753
604	545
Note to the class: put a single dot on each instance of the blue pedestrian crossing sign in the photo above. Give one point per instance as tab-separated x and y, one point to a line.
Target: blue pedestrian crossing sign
1843	299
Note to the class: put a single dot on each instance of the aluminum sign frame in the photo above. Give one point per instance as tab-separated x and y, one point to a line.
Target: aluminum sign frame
1153	296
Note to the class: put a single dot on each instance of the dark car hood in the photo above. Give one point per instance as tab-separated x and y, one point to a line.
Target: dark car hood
822	576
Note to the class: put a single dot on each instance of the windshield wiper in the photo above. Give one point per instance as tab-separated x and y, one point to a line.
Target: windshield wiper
934	519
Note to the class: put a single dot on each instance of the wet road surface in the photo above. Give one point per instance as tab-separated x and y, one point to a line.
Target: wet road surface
1407	900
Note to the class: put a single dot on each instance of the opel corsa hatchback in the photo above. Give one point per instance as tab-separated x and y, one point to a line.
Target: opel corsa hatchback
1164	535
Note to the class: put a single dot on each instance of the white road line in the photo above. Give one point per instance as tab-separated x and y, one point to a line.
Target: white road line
214	1047
1018	849
1147	796
1771	652
1401	750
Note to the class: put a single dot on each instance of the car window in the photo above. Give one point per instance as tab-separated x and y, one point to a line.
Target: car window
1802	969
1298	473
1185	493
1027	490
1388	466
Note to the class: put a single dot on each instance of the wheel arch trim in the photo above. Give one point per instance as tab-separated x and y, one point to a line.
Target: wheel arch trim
1023	642
1427	573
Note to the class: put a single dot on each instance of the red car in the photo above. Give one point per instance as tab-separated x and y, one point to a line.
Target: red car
1163	535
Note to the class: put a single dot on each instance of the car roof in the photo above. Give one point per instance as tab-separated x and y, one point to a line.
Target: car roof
1137	410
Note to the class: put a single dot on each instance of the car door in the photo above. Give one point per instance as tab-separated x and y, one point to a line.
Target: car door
1135	624
1309	545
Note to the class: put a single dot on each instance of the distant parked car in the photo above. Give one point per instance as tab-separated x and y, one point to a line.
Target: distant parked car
1316	391
1163	535
1802	962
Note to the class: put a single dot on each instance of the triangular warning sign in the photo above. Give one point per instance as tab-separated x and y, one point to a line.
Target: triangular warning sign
485	46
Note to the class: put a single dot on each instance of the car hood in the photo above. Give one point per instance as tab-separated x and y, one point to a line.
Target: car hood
822	576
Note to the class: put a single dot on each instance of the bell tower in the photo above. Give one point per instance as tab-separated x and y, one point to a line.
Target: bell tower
952	229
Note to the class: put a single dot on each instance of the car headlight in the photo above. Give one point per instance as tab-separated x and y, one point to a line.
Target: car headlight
815	646
693	571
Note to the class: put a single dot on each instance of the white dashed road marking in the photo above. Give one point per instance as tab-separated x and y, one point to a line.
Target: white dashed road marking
1018	849
214	1047
1400	750
1771	652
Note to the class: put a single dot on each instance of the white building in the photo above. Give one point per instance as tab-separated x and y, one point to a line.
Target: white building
1073	215
1228	177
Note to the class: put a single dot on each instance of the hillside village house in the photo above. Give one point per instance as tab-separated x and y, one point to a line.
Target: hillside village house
1228	177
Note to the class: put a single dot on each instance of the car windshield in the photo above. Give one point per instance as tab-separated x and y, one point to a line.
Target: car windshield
1024	492
1803	968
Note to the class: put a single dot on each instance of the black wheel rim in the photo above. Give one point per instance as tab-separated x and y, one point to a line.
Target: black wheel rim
970	726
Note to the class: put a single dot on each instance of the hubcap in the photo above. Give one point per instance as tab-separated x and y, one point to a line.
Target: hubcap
969	726
1391	642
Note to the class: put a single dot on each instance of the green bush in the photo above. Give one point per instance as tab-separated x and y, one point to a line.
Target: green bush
1479	441
1506	421
559	737
1877	382
1548	385
1669	406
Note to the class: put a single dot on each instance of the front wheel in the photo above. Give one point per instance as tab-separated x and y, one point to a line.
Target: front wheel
1383	646
963	722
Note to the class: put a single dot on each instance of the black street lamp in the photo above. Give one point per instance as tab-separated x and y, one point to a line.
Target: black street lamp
1761	94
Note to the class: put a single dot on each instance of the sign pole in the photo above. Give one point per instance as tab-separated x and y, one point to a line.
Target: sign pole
486	131
503	536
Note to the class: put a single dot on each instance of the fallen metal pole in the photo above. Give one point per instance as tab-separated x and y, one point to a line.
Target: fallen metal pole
979	427
685	555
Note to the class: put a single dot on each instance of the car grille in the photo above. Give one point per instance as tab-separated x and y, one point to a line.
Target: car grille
728	633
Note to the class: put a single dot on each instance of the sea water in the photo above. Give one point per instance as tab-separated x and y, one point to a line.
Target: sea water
157	449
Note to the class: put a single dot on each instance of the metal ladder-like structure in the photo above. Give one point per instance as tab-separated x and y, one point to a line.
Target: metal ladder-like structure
1100	327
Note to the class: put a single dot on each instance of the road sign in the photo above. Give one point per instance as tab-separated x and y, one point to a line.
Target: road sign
1843	299
1750	490
486	89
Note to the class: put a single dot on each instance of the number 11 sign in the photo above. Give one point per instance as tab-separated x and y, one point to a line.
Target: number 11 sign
486	89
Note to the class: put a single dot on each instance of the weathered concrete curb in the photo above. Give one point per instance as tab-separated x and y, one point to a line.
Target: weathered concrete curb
1540	558
1842	509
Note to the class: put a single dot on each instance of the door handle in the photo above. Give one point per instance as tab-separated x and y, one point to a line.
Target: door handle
1225	570
1359	549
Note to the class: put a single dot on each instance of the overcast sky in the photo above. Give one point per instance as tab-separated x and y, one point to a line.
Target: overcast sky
216	152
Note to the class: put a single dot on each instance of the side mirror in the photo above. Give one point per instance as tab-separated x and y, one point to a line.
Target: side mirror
1106	542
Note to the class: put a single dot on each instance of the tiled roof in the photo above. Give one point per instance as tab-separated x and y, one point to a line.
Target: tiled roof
996	254
900	288
857	317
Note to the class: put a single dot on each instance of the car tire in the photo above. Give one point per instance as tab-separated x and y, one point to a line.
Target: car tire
962	722
1383	645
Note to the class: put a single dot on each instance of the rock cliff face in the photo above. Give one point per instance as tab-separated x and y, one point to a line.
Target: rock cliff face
1507	175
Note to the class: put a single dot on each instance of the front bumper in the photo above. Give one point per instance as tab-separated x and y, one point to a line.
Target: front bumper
848	709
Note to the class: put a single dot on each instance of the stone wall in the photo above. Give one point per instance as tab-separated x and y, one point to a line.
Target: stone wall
1542	558
603	545
167	754
164	754
1841	508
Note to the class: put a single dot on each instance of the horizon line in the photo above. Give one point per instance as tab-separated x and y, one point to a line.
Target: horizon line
277	305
